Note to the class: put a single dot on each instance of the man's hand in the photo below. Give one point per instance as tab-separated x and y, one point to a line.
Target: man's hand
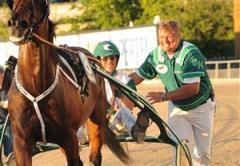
3	99
4	104
155	97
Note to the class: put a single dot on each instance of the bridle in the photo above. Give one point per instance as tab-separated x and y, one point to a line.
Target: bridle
35	21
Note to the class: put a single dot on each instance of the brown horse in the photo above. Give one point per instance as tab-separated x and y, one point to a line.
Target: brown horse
44	105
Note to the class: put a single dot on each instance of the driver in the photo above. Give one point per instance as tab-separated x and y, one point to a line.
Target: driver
120	114
121	119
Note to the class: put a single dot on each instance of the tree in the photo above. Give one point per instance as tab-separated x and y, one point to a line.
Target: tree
209	23
5	14
106	14
164	8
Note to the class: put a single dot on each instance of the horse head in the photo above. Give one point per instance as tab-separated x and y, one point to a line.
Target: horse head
26	17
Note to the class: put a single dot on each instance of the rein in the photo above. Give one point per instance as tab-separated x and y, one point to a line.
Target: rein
88	54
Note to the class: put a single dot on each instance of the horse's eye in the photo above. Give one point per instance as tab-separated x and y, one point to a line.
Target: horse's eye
23	24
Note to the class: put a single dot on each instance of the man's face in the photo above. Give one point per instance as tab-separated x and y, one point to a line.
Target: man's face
169	40
109	63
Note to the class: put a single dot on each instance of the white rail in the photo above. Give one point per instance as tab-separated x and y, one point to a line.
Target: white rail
229	69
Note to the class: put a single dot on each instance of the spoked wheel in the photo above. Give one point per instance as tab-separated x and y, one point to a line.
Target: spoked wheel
183	156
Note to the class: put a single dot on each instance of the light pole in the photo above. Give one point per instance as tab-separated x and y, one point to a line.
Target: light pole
156	22
237	28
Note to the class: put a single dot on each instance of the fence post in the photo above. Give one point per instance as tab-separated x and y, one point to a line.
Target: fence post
238	70
228	70
216	71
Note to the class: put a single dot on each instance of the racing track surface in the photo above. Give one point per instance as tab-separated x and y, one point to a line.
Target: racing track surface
226	141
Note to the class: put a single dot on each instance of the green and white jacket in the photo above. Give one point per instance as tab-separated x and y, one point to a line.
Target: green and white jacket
187	62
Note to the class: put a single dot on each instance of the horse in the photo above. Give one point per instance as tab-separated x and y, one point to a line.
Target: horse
44	105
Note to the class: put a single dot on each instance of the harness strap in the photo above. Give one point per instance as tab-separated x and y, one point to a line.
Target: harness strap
69	78
35	100
69	67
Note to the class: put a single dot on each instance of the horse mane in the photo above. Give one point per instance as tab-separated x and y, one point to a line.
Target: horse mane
51	29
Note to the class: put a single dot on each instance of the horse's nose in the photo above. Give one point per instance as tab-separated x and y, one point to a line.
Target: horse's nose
11	22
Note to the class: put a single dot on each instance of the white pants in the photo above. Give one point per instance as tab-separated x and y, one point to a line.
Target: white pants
196	126
123	117
82	134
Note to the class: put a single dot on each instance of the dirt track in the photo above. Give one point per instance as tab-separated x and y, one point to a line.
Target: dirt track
226	141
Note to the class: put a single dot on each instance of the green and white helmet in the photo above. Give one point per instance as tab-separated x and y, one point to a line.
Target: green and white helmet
106	48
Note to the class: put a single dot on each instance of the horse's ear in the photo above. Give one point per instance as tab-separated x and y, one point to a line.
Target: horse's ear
47	5
43	3
10	3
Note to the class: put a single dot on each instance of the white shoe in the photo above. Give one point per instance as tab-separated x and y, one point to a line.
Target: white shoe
83	141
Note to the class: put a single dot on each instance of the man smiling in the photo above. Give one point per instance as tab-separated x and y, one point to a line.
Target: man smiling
181	68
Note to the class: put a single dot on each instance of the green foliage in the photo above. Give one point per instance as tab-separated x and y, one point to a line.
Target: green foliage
163	8
3	32
106	14
4	14
210	24
208	20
